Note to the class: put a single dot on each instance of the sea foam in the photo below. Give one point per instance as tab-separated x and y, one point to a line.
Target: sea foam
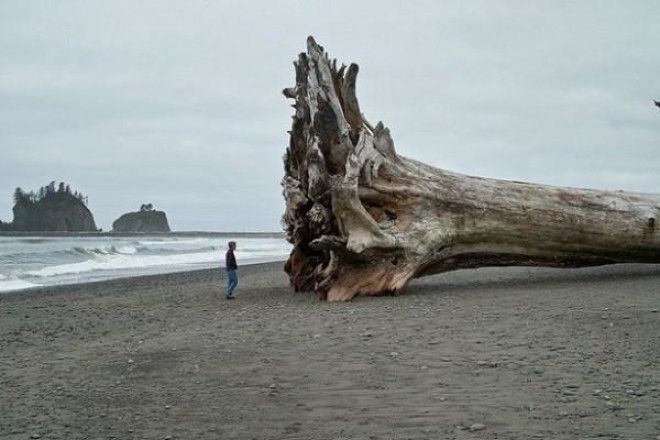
119	261
25	261
14	284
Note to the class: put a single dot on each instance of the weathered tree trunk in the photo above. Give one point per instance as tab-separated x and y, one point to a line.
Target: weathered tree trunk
364	220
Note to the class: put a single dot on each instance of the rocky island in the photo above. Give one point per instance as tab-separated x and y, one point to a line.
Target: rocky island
147	219
53	209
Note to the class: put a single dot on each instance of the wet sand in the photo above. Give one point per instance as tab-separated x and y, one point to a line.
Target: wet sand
512	353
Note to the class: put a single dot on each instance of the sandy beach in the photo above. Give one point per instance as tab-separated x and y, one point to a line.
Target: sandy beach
512	353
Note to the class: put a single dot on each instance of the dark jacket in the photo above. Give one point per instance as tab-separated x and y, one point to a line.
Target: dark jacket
230	260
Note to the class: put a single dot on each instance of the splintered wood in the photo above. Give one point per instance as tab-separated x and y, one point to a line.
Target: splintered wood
364	220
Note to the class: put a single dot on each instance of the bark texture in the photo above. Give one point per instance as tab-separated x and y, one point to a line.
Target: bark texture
365	220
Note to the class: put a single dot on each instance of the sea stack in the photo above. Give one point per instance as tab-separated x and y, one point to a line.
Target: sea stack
145	220
52	209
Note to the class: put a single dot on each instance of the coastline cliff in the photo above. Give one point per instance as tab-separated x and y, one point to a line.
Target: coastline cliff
145	220
51	209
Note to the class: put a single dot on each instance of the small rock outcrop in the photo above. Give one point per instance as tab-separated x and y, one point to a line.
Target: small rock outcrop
51	209
145	220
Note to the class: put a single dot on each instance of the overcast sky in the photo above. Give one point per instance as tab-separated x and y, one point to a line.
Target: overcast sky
179	104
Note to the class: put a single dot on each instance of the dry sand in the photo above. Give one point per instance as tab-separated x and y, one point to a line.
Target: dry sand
493	353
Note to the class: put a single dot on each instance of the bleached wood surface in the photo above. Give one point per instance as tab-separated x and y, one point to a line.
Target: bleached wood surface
365	220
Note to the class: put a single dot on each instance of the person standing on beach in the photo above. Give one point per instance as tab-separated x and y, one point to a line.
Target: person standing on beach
231	267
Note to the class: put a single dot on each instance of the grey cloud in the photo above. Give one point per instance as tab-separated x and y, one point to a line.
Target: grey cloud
178	103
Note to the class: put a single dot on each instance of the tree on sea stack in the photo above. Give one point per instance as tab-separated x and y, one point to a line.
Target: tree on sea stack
364	220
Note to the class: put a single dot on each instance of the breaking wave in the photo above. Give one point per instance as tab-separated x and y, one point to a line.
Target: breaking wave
26	262
7	285
119	261
105	250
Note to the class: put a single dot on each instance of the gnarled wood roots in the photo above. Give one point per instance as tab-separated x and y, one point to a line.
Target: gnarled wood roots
364	220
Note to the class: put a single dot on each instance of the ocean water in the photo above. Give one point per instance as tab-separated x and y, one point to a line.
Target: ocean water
27	262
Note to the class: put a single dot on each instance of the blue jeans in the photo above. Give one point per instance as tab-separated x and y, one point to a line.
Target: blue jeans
232	281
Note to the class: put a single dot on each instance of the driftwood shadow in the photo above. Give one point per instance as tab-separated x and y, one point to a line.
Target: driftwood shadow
486	279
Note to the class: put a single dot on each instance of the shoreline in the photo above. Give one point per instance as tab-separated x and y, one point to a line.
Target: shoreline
165	277
544	274
31	261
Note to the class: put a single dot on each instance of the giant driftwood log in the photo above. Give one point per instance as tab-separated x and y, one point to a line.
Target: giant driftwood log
365	220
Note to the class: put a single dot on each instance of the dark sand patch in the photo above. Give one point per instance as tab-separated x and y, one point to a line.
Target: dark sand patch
493	353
